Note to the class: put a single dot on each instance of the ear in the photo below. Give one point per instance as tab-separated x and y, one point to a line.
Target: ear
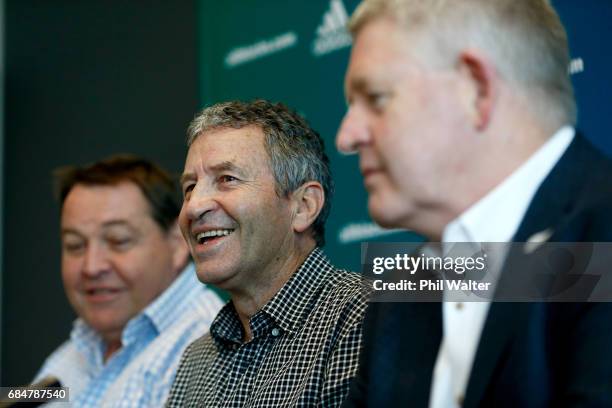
308	201
482	82
180	250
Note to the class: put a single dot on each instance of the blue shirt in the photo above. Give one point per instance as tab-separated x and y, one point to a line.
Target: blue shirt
141	372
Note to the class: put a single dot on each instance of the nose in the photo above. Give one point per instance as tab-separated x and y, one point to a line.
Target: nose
353	132
200	202
96	260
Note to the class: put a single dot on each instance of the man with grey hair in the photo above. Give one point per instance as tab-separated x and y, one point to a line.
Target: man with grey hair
463	116
257	190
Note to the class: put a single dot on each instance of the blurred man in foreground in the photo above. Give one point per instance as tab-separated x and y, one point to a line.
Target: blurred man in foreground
462	113
257	191
127	274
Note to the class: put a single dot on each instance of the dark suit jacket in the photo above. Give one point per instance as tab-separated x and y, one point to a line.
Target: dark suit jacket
529	354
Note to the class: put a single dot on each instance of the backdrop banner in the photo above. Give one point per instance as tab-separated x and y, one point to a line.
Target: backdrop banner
296	52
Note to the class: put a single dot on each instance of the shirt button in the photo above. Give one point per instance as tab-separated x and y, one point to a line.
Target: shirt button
459	306
275	332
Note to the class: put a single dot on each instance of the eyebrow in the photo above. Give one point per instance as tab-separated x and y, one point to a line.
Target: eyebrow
111	223
358	84
186	177
227	166
355	85
65	231
215	168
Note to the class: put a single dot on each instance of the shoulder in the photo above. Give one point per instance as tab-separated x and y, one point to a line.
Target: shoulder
66	353
590	216
344	299
346	287
67	364
193	365
198	350
575	199
67	348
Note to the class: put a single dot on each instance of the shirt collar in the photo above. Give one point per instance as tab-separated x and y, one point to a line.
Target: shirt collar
507	203
291	306
88	342
167	308
288	309
159	315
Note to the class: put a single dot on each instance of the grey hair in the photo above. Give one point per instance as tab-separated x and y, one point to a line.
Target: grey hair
296	151
525	39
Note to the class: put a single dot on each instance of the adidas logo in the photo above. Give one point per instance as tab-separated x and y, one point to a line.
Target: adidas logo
332	34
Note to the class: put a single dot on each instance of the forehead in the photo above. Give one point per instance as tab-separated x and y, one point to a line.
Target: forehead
97	204
382	47
243	147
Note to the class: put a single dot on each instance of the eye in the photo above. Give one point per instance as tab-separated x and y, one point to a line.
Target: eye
377	100
74	247
187	189
120	243
226	178
121	237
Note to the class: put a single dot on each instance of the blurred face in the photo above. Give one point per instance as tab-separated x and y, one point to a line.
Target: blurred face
237	228
405	121
115	258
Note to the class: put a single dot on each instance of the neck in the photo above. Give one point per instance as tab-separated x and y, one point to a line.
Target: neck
503	151
111	347
263	287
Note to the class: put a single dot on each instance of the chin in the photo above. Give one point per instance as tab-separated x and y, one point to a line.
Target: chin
389	213
217	278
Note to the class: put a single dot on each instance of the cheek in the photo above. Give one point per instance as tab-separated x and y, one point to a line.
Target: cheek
128	267
71	279
395	134
71	272
268	220
184	224
398	153
147	265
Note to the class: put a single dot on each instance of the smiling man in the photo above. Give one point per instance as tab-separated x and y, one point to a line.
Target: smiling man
257	190
127	275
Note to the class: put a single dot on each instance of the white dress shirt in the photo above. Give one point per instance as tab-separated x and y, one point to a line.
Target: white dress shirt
494	218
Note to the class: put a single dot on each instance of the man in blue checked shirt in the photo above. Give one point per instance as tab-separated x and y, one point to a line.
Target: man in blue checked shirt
126	272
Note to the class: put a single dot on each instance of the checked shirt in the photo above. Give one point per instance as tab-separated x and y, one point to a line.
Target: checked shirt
304	351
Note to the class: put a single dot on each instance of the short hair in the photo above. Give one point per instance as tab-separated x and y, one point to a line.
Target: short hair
525	39
296	151
157	185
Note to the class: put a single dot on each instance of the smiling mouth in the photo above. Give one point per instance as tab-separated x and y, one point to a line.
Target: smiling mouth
101	291
102	295
204	237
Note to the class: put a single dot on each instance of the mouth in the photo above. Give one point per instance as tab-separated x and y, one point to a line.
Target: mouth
208	237
366	173
97	295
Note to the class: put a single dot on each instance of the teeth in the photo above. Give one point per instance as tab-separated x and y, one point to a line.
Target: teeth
213	233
